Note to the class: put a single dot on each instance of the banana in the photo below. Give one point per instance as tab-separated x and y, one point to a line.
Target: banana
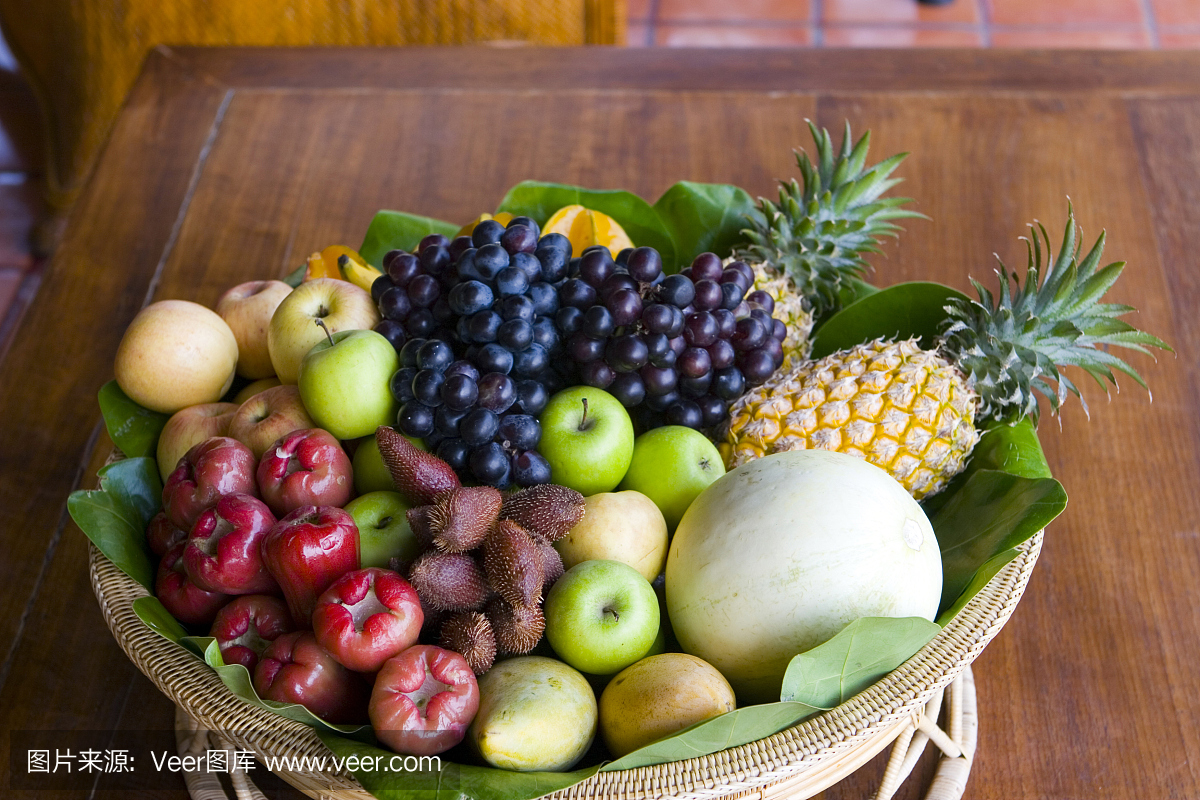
361	275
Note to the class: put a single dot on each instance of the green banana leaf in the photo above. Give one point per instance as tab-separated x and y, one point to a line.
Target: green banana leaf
115	515
897	312
132	427
703	218
396	230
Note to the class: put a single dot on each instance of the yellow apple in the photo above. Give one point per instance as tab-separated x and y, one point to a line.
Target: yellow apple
269	416
251	389
176	354
618	526
189	427
247	308
293	331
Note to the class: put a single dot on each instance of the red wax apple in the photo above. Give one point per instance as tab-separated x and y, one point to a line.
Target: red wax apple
224	550
295	669
423	701
305	468
215	467
308	550
162	534
244	628
186	601
366	617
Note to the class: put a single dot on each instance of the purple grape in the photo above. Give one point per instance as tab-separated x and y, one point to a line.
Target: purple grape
678	344
420	323
615	283
756	365
446	419
427	384
527	222
584	349
415	420
553	253
577	293
487	232
750	333
478	426
519	431
432	240
516	334
627	353
626	306
726	322
490	259
665	359
731	275
544	298
435	259
657	345
657	318
435	355
443	314
531	361
454	452
393	332
403	268
708	296
531	396
763	317
678	317
483	326
518	239
597	374
728	383
530	267
511	280
746	270
465	269
644	264
395	304
695	387
659	380
761	299
459	392
731	295
694	362
721	353
676	290
686	272
778	330
389	257
596	266
568	320
423	290
516	307
701	329
661	402
408	353
686	413
530	469
379	286
713	410
628	388
497	392
598	322
707	267
462	367
460	245
775	348
494	358
489	464
400	384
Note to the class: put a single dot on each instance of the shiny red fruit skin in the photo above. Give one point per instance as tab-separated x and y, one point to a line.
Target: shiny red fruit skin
308	550
224	553
295	669
305	468
247	626
388	612
162	534
443	721
185	601
211	469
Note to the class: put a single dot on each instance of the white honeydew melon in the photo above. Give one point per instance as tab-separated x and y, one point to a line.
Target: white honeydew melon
780	554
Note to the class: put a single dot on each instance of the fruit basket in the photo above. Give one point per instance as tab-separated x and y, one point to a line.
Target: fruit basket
437	481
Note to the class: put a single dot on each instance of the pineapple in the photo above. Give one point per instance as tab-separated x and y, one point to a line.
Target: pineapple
915	412
803	249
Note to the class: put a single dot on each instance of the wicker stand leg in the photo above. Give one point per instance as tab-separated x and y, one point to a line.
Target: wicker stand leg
192	740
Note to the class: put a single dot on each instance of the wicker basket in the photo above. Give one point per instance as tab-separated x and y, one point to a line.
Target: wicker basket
796	763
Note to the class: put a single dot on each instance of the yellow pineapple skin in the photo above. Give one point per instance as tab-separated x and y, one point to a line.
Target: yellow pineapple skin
904	409
790	309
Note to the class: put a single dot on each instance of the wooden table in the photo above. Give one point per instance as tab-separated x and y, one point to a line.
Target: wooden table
235	164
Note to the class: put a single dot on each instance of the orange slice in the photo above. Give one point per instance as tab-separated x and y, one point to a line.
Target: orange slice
585	228
503	218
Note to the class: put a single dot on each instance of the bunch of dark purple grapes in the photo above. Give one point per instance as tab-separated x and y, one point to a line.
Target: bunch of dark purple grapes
472	320
675	349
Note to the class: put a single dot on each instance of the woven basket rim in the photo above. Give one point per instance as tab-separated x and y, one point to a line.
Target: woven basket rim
802	750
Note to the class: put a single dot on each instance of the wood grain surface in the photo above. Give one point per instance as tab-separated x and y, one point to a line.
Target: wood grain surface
232	165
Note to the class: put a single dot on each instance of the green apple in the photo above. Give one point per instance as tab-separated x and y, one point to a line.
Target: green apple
588	439
601	616
344	383
672	465
383	529
370	473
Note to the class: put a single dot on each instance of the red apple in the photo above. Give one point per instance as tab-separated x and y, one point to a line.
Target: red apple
305	468
295	669
366	617
187	428
247	309
423	701
269	416
307	551
224	548
244	628
185	601
215	467
162	534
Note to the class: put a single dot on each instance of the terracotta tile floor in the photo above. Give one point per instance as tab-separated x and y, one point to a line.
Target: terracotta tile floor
674	23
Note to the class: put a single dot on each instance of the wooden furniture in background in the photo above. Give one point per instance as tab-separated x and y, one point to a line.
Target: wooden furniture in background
228	164
82	56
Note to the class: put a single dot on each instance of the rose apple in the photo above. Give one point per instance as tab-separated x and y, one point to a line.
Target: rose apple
251	389
305	468
247	308
162	534
223	553
269	416
423	701
344	383
308	550
244	628
187	428
293	331
672	465
383	529
176	354
295	669
215	467
185	601
601	616
587	437
366	617
618	526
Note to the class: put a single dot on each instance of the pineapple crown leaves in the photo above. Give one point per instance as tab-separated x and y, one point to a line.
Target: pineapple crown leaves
1011	345
822	227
